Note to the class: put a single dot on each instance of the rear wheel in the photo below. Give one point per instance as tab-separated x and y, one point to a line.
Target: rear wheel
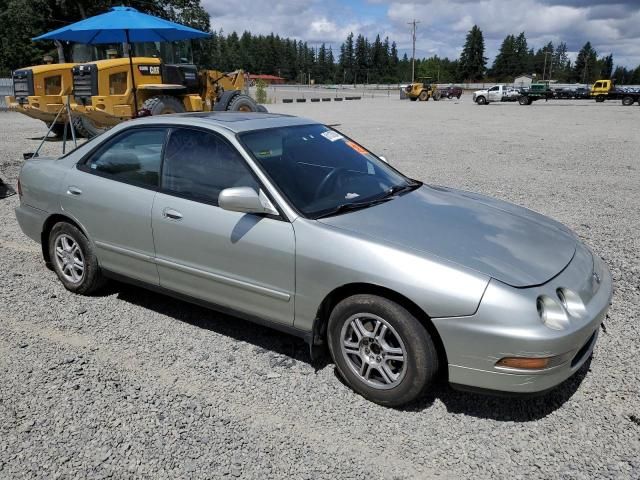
481	100
437	95
381	350
424	96
524	100
163	104
243	103
627	101
413	99
74	259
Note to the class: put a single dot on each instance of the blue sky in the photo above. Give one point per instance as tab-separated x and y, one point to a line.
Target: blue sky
612	26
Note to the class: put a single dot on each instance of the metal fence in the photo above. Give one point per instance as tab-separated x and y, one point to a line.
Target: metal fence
6	88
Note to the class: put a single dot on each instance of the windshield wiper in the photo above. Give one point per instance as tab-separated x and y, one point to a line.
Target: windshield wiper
407	187
347	207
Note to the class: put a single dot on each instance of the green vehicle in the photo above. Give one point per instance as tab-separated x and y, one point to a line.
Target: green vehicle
536	91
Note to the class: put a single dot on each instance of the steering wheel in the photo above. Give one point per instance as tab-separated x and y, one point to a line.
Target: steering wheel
326	181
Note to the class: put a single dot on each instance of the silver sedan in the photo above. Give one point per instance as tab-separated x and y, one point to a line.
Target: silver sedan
288	222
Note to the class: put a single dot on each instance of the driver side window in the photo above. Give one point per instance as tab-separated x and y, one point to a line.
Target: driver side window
198	165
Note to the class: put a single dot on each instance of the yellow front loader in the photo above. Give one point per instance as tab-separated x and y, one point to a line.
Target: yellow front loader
41	92
422	90
105	93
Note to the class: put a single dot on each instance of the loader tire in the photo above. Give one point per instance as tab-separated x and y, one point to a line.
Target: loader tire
437	96
58	129
162	105
86	128
243	103
424	96
263	109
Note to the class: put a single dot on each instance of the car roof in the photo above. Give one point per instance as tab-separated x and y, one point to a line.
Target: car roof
236	122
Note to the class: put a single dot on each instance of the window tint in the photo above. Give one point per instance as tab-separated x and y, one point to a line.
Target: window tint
200	165
133	157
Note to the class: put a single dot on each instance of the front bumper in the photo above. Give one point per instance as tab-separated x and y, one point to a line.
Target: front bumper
507	325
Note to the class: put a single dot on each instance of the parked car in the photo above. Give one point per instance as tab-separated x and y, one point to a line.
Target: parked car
284	221
450	92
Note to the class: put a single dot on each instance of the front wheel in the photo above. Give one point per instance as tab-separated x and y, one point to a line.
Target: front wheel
424	96
74	259
481	101
381	350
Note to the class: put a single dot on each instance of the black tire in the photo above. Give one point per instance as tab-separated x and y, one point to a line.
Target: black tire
481	100
449	96
437	96
262	109
424	96
524	100
58	129
600	98
459	95
627	101
242	103
420	366
162	105
92	278
413	99
86	128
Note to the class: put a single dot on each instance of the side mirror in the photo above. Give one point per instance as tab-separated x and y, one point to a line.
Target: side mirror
245	200
384	159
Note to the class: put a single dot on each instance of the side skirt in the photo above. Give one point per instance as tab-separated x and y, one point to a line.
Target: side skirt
296	332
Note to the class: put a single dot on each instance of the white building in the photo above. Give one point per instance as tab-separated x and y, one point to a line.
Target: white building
522	81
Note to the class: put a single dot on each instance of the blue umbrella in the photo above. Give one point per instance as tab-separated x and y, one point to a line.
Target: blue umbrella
123	24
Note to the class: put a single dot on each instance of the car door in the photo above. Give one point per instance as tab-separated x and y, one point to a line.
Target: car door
111	195
241	261
495	94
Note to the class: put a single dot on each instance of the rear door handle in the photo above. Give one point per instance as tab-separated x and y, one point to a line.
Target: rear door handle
72	190
172	214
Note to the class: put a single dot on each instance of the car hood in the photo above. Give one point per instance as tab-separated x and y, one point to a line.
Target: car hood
509	243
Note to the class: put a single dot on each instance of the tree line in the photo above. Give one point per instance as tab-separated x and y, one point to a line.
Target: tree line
357	60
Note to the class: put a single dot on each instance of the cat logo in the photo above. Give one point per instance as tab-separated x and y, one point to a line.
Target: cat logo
149	69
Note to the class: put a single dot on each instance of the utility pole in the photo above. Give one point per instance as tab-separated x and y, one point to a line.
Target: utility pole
544	71
413	55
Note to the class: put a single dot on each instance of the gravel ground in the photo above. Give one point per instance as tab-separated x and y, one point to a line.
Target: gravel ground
133	384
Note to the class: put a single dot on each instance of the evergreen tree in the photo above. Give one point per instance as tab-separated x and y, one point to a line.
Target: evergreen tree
584	70
472	60
503	65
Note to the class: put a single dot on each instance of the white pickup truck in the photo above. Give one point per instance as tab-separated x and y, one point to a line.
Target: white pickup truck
497	93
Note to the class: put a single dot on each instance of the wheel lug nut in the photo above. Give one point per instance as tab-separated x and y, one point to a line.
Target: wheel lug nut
378	358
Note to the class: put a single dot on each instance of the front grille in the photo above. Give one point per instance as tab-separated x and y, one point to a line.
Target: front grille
22	85
85	83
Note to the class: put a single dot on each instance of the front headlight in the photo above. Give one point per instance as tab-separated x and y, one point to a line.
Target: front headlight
552	314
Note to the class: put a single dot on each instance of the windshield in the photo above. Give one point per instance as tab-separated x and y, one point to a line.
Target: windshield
321	171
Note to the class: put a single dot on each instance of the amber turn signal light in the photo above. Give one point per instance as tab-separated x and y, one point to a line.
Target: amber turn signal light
524	363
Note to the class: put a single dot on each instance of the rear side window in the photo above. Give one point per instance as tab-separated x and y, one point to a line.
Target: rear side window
133	157
199	165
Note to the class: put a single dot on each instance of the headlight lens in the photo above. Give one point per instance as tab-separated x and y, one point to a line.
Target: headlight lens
571	301
552	314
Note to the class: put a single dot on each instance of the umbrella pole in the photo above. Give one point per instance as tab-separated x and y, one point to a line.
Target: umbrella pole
133	79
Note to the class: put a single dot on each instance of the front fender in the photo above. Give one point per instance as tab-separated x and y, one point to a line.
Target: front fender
328	258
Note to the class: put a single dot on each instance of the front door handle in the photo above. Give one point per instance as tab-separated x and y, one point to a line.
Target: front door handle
72	190
172	214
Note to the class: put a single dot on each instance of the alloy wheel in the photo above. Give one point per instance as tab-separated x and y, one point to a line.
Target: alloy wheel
69	258
374	351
